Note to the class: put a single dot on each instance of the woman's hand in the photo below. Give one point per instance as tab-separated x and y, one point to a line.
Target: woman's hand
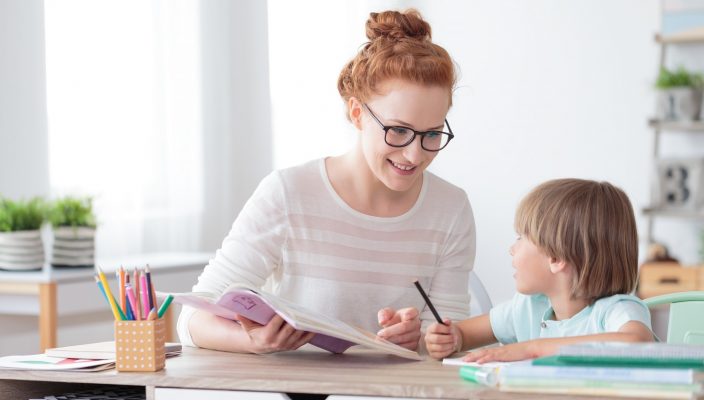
276	335
443	340
401	327
510	352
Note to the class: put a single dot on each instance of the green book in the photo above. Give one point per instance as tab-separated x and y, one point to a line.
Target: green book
619	354
606	361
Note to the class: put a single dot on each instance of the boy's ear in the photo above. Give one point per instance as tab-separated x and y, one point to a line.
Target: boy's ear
557	265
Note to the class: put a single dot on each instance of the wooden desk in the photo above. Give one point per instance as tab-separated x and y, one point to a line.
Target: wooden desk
358	372
38	292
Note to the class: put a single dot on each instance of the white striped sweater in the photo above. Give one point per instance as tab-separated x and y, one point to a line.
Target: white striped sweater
318	252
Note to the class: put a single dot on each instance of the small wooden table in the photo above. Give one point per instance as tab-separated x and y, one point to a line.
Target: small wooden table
37	292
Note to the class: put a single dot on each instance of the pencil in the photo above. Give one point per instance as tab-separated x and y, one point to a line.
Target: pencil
121	276
427	301
133	302
100	285
165	305
137	293
150	288
119	315
145	296
129	310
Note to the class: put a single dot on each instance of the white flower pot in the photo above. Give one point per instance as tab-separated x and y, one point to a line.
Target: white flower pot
679	104
73	247
21	250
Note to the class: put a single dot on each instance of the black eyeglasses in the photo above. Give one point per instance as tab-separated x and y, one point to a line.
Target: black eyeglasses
401	136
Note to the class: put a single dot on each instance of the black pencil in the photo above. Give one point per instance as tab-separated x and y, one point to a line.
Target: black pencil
427	301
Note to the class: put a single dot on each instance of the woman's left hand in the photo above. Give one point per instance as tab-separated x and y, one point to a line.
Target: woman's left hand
509	352
401	327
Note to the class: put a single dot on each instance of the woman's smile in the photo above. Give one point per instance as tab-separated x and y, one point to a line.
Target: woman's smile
402	169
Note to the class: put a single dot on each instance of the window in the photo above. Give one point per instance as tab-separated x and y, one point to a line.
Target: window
123	101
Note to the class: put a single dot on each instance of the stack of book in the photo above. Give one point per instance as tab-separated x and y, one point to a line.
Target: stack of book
90	357
639	370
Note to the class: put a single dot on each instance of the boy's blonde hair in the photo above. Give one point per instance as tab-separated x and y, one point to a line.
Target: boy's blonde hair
591	226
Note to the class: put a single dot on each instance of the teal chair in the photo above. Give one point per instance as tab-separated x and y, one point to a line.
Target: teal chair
686	325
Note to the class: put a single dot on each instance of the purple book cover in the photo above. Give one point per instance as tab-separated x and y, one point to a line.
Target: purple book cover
252	306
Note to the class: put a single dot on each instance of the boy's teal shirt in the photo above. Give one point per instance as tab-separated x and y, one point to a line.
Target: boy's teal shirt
527	317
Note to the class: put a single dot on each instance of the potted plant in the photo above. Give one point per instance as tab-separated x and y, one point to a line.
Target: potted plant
21	246
679	94
74	225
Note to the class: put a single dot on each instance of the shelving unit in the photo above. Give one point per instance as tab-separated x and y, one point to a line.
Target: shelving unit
694	36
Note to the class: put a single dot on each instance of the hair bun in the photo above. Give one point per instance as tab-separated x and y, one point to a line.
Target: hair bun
395	25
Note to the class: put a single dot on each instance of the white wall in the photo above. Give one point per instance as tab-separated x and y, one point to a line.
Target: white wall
236	114
24	163
549	89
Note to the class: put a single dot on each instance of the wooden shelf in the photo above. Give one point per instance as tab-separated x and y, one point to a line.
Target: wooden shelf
689	214
695	35
683	126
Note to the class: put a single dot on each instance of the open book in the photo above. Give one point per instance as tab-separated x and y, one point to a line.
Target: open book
332	334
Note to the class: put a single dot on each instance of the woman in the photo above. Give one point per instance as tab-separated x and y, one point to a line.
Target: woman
346	236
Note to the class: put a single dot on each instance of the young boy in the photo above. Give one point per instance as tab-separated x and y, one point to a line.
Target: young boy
576	261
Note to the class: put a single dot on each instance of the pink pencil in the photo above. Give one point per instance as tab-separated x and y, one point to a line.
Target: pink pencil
145	293
132	300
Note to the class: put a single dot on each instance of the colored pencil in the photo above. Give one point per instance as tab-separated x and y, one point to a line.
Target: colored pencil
129	310
133	301
165	305
150	288
145	294
138	294
119	315
121	275
100	285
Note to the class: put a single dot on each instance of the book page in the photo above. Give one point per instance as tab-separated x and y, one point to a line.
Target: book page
333	335
44	362
457	361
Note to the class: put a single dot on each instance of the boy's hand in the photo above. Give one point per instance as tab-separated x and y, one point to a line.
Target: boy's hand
443	340
510	352
401	327
276	335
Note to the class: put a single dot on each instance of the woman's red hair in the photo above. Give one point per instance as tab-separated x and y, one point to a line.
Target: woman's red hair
399	47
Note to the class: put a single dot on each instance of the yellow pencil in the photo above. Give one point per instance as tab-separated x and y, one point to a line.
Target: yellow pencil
113	305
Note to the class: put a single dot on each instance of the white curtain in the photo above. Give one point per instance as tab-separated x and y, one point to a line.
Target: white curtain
124	110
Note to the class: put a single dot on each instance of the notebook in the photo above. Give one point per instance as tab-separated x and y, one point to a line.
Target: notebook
100	351
43	362
643	355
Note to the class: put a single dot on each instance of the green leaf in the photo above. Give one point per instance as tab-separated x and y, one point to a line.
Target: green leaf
668	79
21	215
72	211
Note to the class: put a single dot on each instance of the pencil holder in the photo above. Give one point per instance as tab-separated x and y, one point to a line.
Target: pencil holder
139	345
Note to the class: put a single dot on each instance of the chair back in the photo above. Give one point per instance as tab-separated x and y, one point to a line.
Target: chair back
686	324
480	302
